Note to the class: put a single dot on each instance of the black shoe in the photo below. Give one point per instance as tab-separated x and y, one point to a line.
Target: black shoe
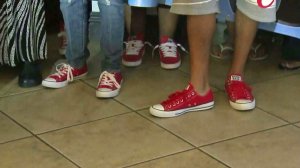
30	75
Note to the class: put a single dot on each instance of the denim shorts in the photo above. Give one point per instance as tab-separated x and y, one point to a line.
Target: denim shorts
202	7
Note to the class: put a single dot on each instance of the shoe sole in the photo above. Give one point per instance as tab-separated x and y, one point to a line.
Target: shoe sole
57	85
168	114
108	94
242	106
170	66
131	64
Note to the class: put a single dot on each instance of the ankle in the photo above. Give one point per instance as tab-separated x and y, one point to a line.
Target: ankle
201	89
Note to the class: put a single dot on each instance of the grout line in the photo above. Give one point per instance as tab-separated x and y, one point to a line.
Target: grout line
240	136
83	123
42	141
165	129
211	156
296	125
274	79
14	140
53	148
165	156
5	95
278	117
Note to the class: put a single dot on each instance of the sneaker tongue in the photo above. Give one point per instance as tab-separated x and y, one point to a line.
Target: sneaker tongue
165	39
236	78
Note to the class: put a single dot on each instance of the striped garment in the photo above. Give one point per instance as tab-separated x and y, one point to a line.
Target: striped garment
22	31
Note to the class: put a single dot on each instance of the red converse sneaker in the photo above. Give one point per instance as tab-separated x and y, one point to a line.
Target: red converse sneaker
65	74
135	49
239	93
109	84
63	42
182	102
169	55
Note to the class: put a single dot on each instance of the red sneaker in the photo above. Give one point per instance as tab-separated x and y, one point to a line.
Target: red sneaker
239	93
169	55
135	49
109	84
64	74
182	102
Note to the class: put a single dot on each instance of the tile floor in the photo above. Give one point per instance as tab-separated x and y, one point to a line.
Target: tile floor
70	127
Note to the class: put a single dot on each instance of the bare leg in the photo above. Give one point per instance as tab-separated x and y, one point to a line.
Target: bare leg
200	32
167	22
244	36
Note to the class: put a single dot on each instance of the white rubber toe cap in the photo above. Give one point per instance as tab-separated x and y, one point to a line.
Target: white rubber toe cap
158	107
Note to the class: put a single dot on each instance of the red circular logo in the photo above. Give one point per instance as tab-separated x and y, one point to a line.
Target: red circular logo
260	4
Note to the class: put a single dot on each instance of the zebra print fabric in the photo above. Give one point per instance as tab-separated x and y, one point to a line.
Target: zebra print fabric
22	31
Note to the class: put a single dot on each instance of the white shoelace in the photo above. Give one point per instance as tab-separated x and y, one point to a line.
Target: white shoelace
133	47
62	69
108	79
169	49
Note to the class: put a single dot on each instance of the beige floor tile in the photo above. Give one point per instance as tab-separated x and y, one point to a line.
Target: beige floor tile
10	130
217	124
276	148
190	159
115	142
7	75
31	153
12	88
260	71
50	109
280	97
148	85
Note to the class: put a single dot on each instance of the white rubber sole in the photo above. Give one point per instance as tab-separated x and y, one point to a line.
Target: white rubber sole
57	85
131	64
242	106
170	66
108	94
167	114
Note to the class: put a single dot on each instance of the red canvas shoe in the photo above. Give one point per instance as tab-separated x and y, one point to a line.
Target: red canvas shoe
64	74
182	102
134	52
239	93
169	55
109	84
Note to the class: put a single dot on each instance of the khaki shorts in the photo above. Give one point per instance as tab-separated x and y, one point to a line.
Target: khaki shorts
202	7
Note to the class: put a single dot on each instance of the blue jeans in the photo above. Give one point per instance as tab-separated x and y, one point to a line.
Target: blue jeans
111	32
